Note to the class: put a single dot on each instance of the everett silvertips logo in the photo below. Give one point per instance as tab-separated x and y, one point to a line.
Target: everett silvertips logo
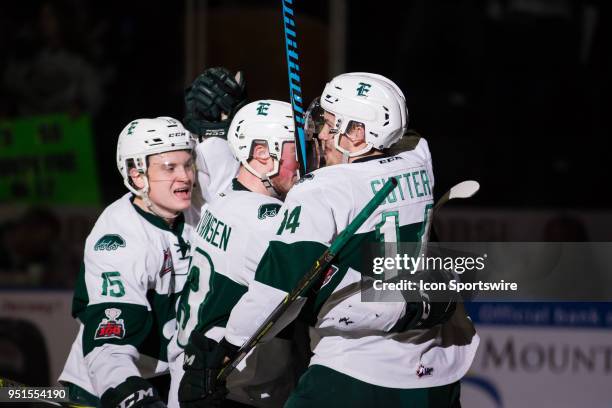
112	327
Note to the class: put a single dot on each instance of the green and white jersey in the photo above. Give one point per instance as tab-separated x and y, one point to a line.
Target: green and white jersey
216	166
347	334
219	275
133	270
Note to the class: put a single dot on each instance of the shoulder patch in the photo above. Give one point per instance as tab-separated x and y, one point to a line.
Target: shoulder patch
109	242
112	327
268	210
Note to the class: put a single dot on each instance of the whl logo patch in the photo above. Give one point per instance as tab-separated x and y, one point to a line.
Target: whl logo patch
363	89
328	275
112	327
109	242
167	266
267	210
262	108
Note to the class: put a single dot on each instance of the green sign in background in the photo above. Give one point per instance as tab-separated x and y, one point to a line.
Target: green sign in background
48	159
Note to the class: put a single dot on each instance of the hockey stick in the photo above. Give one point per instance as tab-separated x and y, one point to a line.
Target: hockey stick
295	87
320	265
465	189
6	383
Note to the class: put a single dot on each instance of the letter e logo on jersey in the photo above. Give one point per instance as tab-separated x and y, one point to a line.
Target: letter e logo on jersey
109	242
112	327
267	210
363	89
262	108
167	266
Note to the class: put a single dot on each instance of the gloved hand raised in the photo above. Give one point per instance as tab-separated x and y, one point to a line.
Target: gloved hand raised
212	100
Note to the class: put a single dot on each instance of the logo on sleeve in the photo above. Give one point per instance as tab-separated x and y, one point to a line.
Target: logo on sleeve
112	327
167	266
109	242
423	371
267	210
328	275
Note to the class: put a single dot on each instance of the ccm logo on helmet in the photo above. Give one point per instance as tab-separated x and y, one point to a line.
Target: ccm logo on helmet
178	134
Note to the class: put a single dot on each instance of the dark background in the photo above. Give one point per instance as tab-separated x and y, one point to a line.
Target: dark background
511	93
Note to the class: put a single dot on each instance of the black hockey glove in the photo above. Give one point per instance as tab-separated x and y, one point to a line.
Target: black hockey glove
134	392
425	309
214	92
203	361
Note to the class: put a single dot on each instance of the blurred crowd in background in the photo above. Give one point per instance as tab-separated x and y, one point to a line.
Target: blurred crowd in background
508	92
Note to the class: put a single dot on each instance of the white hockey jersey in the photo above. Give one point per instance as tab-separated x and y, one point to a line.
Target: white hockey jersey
133	270
349	335
216	166
219	275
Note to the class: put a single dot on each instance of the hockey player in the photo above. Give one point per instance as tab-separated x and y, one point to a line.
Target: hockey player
365	353
136	261
261	137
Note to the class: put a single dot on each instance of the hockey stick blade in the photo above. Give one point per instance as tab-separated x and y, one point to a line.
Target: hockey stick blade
465	189
6	383
320	265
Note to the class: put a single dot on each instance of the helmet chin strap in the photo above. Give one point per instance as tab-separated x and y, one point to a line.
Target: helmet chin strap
265	178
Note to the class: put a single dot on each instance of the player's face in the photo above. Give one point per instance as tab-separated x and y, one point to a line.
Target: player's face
287	169
171	178
326	136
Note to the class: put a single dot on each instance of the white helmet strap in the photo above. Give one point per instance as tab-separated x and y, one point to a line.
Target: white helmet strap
265	178
144	194
345	153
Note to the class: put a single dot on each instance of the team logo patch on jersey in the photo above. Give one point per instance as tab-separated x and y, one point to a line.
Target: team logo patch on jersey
112	327
423	371
167	266
328	275
267	210
109	242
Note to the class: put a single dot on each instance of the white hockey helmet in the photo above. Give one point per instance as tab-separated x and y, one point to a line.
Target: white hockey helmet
264	121
144	137
368	99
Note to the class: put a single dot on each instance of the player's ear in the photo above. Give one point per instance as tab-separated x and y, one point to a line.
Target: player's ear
137	178
357	133
261	152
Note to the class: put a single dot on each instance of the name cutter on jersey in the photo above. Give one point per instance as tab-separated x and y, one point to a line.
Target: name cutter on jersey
112	327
